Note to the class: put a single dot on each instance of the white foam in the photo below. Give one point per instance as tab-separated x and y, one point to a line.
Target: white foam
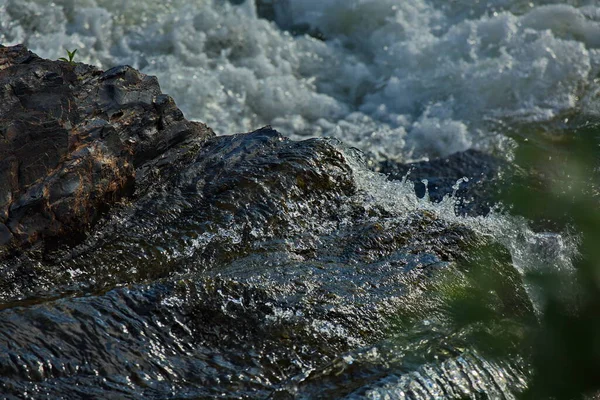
531	251
400	79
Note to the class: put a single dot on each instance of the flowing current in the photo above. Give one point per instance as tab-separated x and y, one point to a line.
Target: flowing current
398	80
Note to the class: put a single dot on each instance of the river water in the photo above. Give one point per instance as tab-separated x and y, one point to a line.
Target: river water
401	81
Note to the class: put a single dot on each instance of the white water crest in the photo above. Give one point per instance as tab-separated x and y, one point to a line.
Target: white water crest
404	80
531	252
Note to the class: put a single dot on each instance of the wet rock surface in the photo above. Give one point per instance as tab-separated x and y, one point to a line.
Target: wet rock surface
242	266
479	174
72	138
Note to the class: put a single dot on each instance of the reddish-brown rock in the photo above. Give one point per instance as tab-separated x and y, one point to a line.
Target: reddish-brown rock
72	139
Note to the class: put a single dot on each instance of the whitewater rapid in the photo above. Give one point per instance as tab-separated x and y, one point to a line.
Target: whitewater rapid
403	80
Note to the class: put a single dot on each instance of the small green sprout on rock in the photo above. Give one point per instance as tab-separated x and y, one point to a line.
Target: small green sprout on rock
71	54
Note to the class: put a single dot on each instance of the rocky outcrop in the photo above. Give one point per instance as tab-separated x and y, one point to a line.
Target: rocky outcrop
241	266
72	139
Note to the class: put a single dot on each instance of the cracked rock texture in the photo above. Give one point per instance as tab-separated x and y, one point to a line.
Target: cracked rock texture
73	139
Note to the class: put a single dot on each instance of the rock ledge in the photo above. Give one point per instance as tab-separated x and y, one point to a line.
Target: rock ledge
73	138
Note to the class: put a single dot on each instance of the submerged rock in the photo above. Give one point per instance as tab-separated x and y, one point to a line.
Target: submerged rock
479	174
240	266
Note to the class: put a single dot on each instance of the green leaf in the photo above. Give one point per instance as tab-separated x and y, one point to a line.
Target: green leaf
71	54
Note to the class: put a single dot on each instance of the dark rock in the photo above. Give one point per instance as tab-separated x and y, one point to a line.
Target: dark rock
251	267
241	266
279	12
72	138
475	195
5	235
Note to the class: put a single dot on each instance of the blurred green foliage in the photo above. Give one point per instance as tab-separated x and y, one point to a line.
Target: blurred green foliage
560	188
484	304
